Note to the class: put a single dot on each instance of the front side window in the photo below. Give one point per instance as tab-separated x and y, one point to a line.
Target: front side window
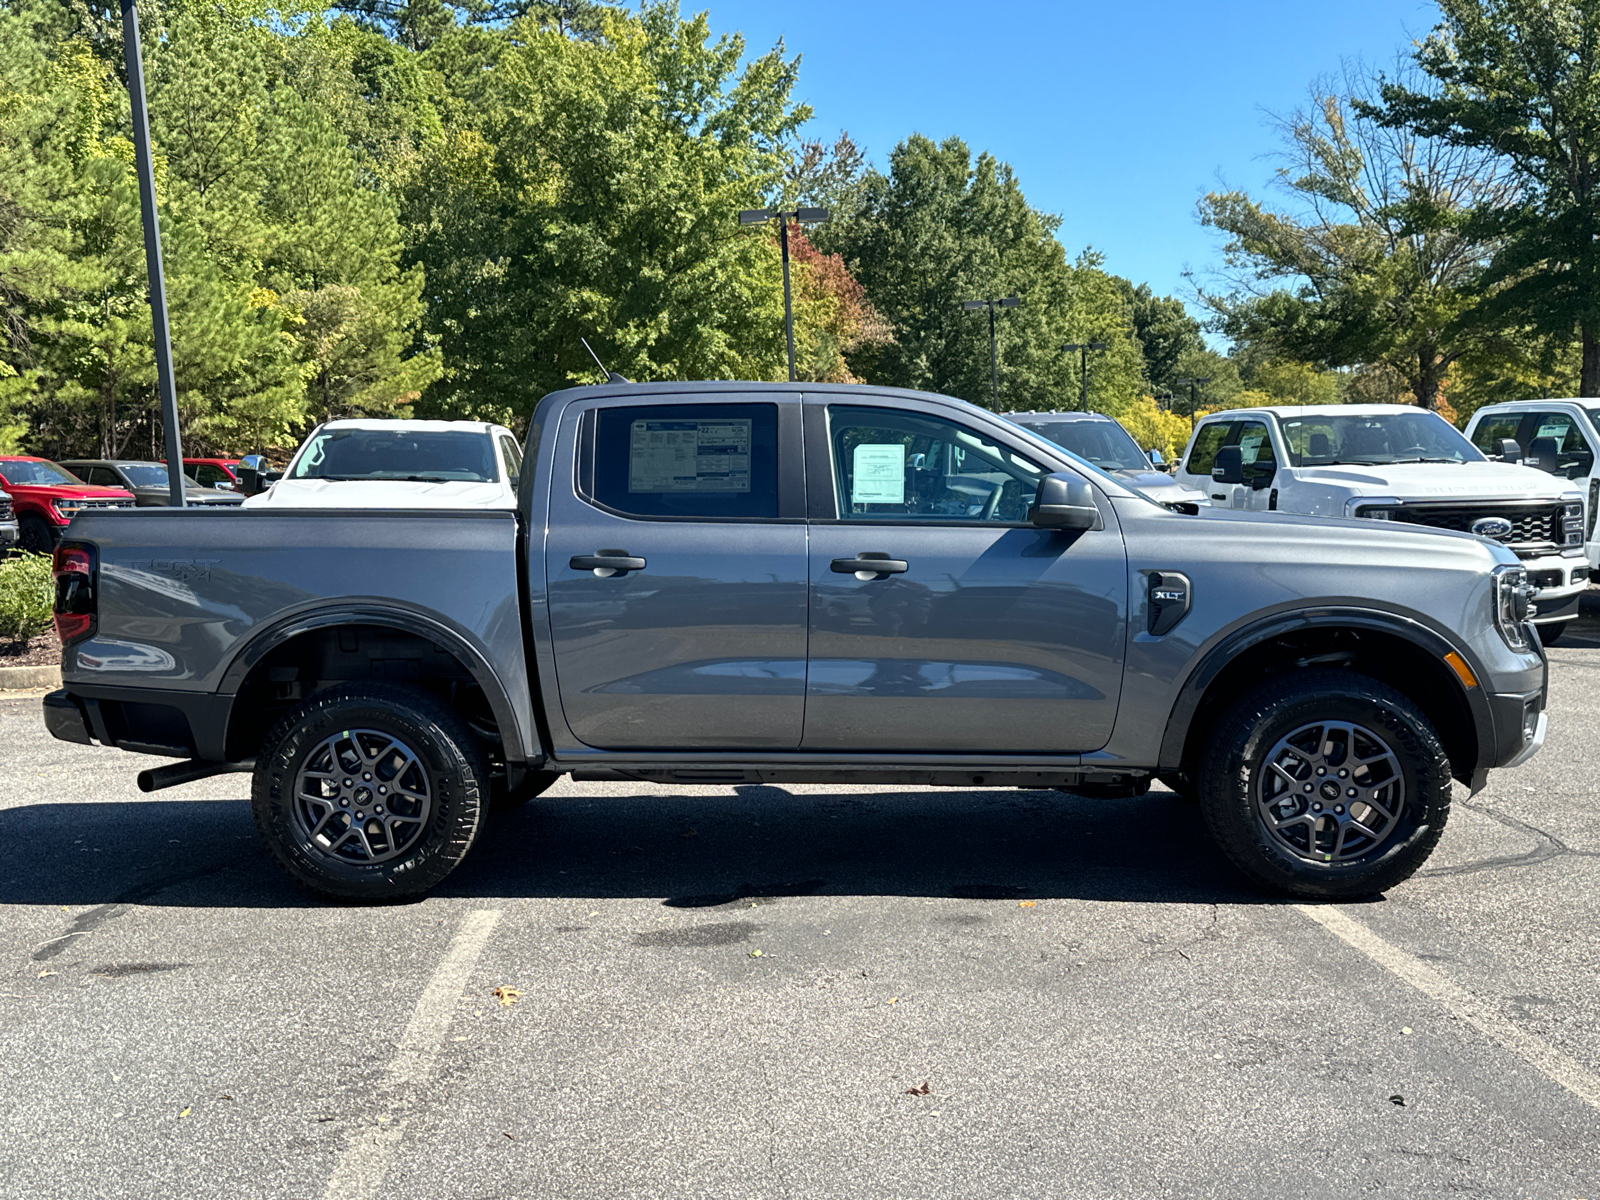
1491	431
1368	441
209	475
433	456
705	461
145	475
39	474
1574	456
1255	451
1210	439
889	464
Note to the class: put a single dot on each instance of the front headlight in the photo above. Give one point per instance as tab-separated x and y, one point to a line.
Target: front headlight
1513	605
1373	508
1572	521
66	509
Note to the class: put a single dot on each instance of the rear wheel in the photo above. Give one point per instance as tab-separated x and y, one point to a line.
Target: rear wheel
35	535
1326	785
370	792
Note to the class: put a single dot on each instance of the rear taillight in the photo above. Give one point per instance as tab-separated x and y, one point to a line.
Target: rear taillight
75	601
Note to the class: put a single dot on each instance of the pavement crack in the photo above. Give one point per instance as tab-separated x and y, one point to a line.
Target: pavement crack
87	922
1549	846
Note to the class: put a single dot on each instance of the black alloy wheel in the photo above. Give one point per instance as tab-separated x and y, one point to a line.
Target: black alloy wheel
370	792
1325	785
35	535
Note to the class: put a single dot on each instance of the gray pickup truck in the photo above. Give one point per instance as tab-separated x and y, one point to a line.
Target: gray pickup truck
734	582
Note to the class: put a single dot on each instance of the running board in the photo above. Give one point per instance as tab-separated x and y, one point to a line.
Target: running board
920	777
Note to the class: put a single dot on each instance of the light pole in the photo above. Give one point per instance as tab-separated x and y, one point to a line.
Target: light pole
133	60
994	357
1193	384
803	216
1083	349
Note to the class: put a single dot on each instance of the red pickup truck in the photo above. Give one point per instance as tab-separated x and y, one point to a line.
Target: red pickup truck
46	498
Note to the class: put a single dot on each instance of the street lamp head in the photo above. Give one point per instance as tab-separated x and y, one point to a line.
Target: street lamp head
969	305
1071	346
1097	345
811	214
755	216
1010	302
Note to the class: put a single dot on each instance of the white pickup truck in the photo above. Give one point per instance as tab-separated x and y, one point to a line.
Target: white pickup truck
400	464
1394	462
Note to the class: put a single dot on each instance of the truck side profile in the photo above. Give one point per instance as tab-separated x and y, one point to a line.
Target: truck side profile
734	582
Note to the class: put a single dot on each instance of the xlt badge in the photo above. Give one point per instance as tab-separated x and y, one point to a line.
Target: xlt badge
1170	597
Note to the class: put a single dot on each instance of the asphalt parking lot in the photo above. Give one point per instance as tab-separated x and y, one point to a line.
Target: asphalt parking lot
796	992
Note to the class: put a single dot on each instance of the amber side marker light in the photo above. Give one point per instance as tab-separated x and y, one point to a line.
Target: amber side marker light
1463	672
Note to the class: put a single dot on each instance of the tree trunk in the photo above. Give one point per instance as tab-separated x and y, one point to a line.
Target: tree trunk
1425	387
1589	380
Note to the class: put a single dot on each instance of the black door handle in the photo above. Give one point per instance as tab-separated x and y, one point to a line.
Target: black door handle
869	560
618	561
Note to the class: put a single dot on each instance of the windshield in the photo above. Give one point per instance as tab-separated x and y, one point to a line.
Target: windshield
151	475
1104	443
40	474
1419	436
428	457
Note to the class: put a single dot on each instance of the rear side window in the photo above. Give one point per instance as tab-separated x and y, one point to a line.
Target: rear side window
706	461
1487	436
1206	444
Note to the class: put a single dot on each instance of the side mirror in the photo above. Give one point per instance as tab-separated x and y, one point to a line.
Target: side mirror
1229	466
1542	455
1510	450
252	472
1064	502
1157	459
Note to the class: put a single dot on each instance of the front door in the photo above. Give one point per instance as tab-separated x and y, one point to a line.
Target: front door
676	575
979	633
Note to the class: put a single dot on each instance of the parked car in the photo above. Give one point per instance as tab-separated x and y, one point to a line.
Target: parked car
759	583
8	524
1555	436
1106	444
45	498
147	481
220	473
400	464
1399	464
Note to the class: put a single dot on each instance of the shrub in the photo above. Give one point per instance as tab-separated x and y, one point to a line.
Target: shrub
27	592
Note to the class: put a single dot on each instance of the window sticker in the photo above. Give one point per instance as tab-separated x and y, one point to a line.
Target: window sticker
1250	447
689	456
1555	429
878	475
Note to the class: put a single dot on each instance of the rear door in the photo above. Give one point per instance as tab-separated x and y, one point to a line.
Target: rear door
675	563
980	633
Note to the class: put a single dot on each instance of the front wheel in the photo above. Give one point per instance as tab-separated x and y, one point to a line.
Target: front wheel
1326	785
370	792
35	535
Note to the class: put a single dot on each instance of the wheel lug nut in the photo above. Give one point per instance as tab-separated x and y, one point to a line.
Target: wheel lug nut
1351	793
368	775
1308	787
349	783
379	809
383	791
1343	772
344	804
1316	807
359	817
1338	808
1322	770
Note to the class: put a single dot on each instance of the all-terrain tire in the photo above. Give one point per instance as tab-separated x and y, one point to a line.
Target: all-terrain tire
1233	764
447	755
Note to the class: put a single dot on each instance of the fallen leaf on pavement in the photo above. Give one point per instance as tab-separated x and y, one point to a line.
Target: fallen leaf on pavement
47	974
922	1089
186	1112
755	954
893	1000
503	1133
1027	904
507	995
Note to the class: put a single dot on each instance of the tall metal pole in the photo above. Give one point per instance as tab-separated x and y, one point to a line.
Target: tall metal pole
788	307
133	60
994	362
1083	378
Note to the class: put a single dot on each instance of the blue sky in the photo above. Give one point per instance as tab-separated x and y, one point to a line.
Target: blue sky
1116	116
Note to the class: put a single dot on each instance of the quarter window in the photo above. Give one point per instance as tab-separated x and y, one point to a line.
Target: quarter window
890	464
706	461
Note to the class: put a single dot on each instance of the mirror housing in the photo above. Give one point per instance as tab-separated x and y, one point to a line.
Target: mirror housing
1064	502
253	474
1229	466
1510	450
1542	454
1157	459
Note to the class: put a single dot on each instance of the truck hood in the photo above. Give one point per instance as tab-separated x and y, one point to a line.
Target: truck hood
1161	487
381	493
68	491
1439	481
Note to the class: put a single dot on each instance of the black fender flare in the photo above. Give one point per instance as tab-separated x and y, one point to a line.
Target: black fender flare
268	638
1235	642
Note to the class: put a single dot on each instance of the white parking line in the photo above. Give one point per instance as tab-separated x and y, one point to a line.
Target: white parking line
358	1175
1460	1003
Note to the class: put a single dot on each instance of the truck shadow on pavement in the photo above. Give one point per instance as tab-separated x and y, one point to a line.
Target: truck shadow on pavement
692	851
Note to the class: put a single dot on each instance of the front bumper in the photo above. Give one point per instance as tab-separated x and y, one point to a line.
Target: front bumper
1560	582
9	534
1519	726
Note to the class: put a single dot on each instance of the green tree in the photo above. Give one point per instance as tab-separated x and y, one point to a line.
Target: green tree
1165	331
1520	80
940	228
1375	260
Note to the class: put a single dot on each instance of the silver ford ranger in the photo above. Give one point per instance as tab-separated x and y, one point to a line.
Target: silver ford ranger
735	582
